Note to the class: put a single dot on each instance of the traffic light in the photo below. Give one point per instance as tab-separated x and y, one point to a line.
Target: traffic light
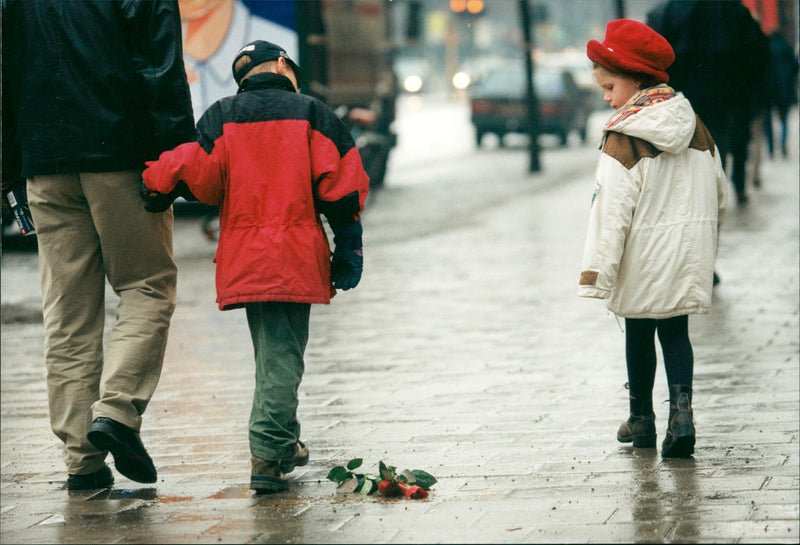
467	7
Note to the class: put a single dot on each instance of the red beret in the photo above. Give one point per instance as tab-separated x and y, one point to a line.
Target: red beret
632	47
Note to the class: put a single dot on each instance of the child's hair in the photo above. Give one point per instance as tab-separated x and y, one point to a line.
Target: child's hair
266	66
646	79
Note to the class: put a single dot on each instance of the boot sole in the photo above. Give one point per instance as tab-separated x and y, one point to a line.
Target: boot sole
644	441
267	484
682	447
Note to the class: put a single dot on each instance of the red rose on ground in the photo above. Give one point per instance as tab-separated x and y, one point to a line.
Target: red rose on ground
413	491
389	488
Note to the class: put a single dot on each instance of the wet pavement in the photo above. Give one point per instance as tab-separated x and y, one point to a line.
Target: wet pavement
464	352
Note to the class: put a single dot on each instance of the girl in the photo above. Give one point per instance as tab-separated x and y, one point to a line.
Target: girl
659	193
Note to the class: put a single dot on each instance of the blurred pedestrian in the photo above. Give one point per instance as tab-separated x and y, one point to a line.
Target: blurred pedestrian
762	96
720	58
659	192
784	89
274	159
94	89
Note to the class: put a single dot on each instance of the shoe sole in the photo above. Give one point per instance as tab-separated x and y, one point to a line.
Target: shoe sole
267	484
136	468
682	447
644	441
82	482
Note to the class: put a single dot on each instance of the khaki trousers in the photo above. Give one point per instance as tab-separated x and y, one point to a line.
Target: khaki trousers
92	227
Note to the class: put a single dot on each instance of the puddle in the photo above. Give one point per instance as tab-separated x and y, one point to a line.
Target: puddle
230	493
123	494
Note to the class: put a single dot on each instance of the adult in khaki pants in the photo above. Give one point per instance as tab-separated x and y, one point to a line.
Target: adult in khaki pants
92	90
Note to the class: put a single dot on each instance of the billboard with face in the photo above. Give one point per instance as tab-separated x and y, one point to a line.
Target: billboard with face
215	30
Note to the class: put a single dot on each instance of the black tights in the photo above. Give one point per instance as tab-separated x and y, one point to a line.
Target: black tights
640	352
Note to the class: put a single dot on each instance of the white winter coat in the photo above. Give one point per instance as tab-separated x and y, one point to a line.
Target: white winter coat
660	192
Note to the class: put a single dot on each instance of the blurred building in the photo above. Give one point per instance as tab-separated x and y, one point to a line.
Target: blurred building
442	35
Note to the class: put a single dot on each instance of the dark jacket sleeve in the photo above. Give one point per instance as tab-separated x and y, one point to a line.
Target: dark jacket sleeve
154	38
340	182
11	158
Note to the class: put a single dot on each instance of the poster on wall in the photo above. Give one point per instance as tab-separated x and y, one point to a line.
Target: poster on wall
215	30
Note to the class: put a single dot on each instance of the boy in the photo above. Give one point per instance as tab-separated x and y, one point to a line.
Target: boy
273	160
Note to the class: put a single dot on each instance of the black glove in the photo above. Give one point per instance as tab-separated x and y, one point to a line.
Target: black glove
159	202
348	256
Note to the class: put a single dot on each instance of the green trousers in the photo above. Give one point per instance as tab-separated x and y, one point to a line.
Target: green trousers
280	333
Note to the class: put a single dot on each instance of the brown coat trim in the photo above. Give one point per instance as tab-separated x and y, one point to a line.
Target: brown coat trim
628	150
589	278
702	139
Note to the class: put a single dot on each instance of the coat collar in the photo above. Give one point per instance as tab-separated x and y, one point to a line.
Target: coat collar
266	80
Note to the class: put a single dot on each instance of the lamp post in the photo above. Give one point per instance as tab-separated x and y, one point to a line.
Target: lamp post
530	93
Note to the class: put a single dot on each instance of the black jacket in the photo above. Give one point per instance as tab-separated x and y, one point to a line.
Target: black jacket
720	53
91	86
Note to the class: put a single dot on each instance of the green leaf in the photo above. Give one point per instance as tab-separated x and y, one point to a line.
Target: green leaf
347	486
386	473
407	477
360	483
338	474
369	487
424	479
354	463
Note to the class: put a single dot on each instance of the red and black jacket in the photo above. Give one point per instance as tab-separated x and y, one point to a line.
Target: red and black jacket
273	160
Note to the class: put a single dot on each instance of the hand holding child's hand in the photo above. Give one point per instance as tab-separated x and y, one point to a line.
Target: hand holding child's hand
154	201
159	202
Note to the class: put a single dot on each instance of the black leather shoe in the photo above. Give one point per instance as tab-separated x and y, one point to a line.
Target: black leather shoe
125	445
102	478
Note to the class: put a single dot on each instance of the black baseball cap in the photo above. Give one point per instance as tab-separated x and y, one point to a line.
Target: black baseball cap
260	51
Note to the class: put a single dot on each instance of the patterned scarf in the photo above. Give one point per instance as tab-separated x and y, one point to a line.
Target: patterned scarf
642	99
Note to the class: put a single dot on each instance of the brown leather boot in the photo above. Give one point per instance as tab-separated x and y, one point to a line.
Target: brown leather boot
640	428
680	438
300	458
266	476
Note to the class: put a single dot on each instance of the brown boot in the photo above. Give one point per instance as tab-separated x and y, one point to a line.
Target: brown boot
266	476
680	439
300	458
640	428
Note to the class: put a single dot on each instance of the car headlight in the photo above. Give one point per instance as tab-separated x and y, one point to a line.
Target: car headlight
461	80
412	84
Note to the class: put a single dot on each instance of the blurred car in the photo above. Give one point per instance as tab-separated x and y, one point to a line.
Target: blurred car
472	70
497	102
581	69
